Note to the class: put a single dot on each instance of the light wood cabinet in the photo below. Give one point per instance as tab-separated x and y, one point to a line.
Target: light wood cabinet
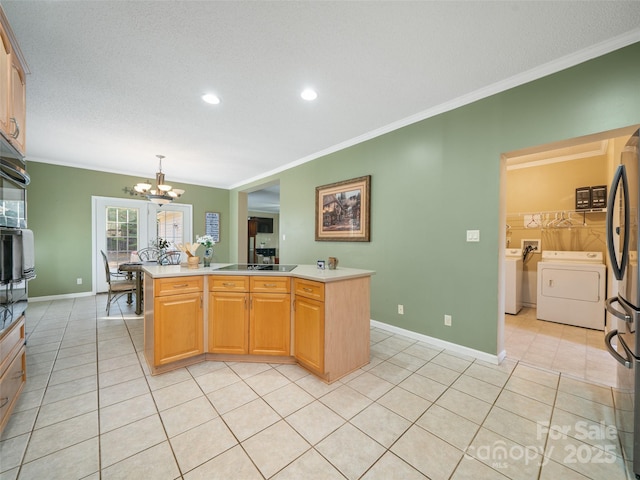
249	318
13	111
177	320
228	317
331	326
5	81
270	316
309	333
249	315
13	374
18	106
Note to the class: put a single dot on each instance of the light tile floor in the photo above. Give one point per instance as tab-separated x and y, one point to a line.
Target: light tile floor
90	410
576	351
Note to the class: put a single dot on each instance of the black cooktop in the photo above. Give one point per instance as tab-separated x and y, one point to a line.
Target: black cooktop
240	267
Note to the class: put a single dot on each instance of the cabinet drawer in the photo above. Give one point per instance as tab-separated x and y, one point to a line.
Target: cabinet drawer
271	284
175	286
10	383
11	343
309	289
228	283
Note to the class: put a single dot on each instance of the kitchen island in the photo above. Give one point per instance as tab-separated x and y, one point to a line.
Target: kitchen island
277	313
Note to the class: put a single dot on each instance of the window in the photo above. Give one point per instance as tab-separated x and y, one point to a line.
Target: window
170	226
121	234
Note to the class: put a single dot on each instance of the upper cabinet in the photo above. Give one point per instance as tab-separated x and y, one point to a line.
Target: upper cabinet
13	111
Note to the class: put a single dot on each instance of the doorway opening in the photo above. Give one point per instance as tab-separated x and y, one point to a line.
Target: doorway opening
263	224
538	207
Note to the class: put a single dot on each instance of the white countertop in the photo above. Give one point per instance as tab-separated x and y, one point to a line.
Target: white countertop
308	272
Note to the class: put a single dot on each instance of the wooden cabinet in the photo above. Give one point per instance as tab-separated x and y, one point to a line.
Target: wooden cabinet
13	111
249	318
177	319
228	318
331	326
249	315
12	369
309	333
5	80
270	316
18	106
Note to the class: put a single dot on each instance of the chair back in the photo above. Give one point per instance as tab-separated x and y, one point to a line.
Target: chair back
106	267
170	258
148	254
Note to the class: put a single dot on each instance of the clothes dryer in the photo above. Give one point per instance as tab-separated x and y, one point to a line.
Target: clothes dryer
572	288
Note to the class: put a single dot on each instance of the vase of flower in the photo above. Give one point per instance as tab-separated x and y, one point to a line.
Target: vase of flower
208	255
207	242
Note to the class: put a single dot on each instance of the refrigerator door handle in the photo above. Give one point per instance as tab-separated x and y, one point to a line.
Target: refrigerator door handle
620	176
627	315
627	362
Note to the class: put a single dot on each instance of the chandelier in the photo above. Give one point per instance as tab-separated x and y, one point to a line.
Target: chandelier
162	193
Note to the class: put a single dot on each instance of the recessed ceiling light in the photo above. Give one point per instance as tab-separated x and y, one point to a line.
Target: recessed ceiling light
211	98
309	94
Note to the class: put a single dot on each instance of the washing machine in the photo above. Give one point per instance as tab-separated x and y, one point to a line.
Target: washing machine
513	281
572	288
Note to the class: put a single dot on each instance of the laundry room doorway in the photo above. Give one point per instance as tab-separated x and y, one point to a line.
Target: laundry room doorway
541	191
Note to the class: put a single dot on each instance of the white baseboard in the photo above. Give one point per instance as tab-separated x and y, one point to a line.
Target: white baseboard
436	342
65	296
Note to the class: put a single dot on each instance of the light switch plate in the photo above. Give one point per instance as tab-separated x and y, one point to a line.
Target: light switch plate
473	235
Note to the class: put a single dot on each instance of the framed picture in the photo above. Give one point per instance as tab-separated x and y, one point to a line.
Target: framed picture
343	210
212	225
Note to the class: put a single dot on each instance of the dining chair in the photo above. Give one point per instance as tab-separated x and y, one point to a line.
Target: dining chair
117	288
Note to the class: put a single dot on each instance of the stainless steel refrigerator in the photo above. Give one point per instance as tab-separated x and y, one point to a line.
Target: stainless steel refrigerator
621	339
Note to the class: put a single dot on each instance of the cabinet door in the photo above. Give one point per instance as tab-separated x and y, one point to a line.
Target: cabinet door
11	383
228	323
309	333
178	330
270	324
5	81
18	106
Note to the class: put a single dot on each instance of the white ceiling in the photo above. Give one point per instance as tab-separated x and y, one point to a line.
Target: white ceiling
114	83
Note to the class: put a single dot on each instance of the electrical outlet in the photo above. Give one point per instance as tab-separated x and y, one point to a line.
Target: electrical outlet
400	309
447	320
79	281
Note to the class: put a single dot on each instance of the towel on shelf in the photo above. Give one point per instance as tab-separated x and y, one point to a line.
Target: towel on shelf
28	255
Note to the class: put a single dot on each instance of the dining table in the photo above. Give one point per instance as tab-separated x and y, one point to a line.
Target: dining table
135	269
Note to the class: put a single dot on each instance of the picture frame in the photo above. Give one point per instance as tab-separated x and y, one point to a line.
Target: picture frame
212	225
343	211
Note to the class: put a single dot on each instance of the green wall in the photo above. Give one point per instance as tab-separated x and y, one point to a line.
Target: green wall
435	179
59	213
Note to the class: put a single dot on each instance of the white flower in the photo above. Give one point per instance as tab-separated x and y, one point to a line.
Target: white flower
206	241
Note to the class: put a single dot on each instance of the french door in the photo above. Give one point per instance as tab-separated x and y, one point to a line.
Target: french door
122	226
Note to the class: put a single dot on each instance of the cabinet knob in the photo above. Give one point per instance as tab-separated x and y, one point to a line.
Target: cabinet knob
182	285
270	285
228	284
